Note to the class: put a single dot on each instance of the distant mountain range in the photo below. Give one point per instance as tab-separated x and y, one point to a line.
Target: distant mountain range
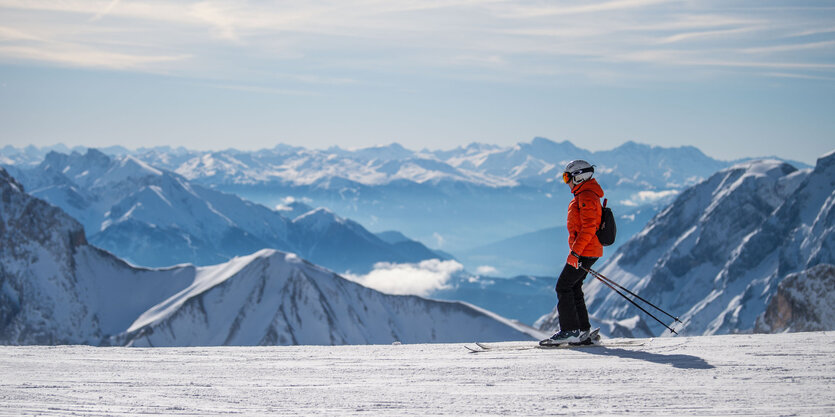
153	217
747	248
134	205
722	250
56	288
537	162
480	202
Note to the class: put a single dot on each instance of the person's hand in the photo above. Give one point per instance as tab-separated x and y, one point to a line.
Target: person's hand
573	260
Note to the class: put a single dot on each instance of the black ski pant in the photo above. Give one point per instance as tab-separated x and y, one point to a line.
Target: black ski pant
571	305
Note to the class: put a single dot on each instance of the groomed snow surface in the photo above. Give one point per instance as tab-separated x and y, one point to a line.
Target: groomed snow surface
784	374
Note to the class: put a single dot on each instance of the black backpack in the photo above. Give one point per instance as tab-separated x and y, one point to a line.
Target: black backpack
608	229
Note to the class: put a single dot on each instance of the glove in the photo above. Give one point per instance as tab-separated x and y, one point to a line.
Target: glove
573	260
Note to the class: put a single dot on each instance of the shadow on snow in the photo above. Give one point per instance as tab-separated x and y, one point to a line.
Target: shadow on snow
677	360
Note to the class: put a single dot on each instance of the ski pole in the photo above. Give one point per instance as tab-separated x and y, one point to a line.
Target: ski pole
604	278
595	274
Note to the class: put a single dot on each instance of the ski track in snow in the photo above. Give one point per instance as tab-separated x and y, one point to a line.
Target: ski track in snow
784	374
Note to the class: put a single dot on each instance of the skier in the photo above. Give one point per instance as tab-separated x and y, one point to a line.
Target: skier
584	213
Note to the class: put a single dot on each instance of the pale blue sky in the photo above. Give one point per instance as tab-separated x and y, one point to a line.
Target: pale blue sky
734	78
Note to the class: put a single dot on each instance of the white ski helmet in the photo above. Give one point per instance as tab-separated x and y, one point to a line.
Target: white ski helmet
577	171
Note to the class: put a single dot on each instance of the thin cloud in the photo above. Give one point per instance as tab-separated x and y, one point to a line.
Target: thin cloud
221	18
691	36
482	40
811	32
487	270
8	34
686	58
88	58
798	76
572	9
790	48
106	10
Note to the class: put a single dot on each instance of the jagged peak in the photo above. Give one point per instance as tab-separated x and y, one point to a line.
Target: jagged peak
391	146
540	141
132	162
55	159
96	155
6	178
827	160
762	167
632	144
319	220
540	144
480	146
393	151
317	215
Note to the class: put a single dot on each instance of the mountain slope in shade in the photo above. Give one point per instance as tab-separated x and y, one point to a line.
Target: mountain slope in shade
55	288
717	254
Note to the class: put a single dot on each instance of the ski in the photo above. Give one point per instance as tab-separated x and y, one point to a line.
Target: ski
487	347
481	347
592	345
474	350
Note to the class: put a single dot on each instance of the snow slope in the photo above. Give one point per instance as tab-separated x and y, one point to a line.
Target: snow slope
745	375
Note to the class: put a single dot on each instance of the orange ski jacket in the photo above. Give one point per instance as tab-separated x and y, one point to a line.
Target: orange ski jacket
584	213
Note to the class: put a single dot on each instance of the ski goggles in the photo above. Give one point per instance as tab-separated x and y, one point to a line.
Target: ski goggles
566	176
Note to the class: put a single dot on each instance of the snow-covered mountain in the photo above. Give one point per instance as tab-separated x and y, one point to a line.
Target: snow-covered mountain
303	167
276	298
30	155
469	201
536	162
153	217
717	254
55	288
458	200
